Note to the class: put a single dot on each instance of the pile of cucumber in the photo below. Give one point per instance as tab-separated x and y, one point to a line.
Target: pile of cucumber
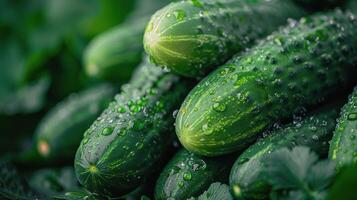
217	90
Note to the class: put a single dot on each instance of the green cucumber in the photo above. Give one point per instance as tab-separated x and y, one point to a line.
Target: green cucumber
343	148
188	175
61	130
114	54
127	143
314	131
191	37
297	67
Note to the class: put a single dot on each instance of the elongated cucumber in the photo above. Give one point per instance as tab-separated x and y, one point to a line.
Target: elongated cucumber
192	37
61	130
128	142
298	66
315	131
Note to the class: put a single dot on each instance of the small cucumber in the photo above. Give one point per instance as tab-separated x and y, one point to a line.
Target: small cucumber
61	130
297	67
188	175
343	146
128	142
191	37
114	54
314	131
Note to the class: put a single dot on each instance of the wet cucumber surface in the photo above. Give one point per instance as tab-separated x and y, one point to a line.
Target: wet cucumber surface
192	37
291	69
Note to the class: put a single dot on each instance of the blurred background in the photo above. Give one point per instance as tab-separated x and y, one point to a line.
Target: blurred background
42	42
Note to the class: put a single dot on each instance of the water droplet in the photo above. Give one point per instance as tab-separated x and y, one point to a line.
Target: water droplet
107	131
243	160
179	15
85	140
352	116
219	107
180	184
315	137
187	176
121	109
174	114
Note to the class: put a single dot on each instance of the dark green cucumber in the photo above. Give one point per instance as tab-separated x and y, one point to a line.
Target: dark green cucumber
188	175
125	145
294	68
191	37
314	131
61	130
343	146
114	54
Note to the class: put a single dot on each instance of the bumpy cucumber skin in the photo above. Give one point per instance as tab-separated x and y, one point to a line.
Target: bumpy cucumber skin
296	67
315	131
344	142
113	55
61	130
188	175
125	144
191	37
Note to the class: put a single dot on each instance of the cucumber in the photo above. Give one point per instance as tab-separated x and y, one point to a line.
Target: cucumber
344	142
114	54
314	131
191	37
61	130
292	69
188	175
128	142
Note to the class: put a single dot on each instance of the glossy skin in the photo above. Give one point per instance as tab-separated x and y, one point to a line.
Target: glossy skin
127	143
291	69
344	142
192	37
315	131
61	130
188	175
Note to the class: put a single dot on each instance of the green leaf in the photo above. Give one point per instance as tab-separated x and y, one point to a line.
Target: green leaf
217	191
298	174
